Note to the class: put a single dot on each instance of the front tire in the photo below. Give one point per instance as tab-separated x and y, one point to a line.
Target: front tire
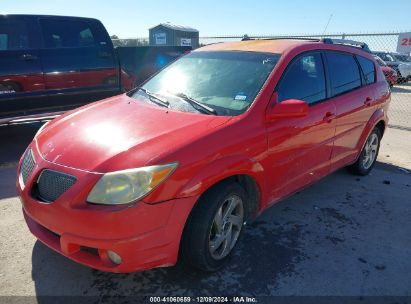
369	154
214	227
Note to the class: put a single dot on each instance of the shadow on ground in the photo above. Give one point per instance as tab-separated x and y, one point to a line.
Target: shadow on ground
344	235
14	140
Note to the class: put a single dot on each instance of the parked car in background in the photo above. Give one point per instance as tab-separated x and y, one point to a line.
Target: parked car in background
400	63
56	63
174	168
390	74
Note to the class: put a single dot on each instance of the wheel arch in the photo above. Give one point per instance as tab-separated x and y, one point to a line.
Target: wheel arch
251	188
249	174
377	120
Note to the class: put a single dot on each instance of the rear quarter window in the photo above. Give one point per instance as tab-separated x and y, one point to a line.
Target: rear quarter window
344	72
368	69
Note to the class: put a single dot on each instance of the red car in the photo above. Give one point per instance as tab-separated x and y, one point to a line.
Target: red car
390	74
174	169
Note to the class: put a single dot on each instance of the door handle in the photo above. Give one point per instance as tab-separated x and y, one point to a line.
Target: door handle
367	101
28	57
329	116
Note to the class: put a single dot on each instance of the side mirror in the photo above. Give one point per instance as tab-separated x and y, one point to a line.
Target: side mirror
289	108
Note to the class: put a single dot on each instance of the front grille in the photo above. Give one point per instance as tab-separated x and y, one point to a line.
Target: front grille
27	165
51	184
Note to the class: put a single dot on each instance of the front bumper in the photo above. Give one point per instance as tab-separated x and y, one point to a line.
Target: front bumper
143	235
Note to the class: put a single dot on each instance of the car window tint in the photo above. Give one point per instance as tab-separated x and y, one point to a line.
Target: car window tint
13	35
66	33
368	69
304	79
344	72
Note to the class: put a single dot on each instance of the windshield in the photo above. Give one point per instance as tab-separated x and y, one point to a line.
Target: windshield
225	81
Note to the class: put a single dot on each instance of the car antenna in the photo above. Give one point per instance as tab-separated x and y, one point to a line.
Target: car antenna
328	22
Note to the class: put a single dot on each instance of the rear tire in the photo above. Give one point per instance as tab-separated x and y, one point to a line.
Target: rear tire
214	227
369	154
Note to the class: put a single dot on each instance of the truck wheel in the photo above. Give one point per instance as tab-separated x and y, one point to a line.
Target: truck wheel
214	227
368	155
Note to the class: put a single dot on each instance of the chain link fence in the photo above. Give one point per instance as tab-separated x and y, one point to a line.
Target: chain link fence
400	108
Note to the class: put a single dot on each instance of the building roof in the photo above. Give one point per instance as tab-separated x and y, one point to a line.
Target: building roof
176	27
276	46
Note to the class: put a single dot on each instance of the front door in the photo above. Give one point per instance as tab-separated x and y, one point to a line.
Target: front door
299	149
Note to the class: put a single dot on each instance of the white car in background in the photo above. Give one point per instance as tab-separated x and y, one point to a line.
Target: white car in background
399	62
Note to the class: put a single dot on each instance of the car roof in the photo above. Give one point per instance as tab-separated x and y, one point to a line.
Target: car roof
276	46
280	46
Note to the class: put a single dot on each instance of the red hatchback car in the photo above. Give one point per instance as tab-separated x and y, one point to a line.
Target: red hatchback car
174	169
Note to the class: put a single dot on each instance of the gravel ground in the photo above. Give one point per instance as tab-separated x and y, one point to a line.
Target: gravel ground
400	107
344	235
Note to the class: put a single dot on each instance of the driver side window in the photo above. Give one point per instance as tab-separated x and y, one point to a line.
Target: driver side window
304	79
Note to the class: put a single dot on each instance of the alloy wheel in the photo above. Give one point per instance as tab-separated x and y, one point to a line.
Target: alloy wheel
226	227
370	151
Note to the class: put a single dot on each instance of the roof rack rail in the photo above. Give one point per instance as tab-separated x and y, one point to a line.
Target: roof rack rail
357	44
246	37
352	43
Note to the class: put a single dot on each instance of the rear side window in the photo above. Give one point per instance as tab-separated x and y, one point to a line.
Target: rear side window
304	79
14	35
66	33
368	69
344	73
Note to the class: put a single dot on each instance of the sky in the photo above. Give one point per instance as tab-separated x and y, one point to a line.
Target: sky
128	18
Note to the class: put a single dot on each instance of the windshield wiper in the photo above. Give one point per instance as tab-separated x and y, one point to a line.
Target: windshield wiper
196	104
154	98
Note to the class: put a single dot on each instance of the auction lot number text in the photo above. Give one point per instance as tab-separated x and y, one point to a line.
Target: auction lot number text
202	300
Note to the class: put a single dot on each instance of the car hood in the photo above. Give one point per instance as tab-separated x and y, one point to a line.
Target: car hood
120	133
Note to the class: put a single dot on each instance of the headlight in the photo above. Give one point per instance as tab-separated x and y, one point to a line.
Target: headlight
123	187
41	129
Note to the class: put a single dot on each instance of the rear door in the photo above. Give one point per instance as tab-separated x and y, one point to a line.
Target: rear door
21	75
300	148
78	61
354	101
